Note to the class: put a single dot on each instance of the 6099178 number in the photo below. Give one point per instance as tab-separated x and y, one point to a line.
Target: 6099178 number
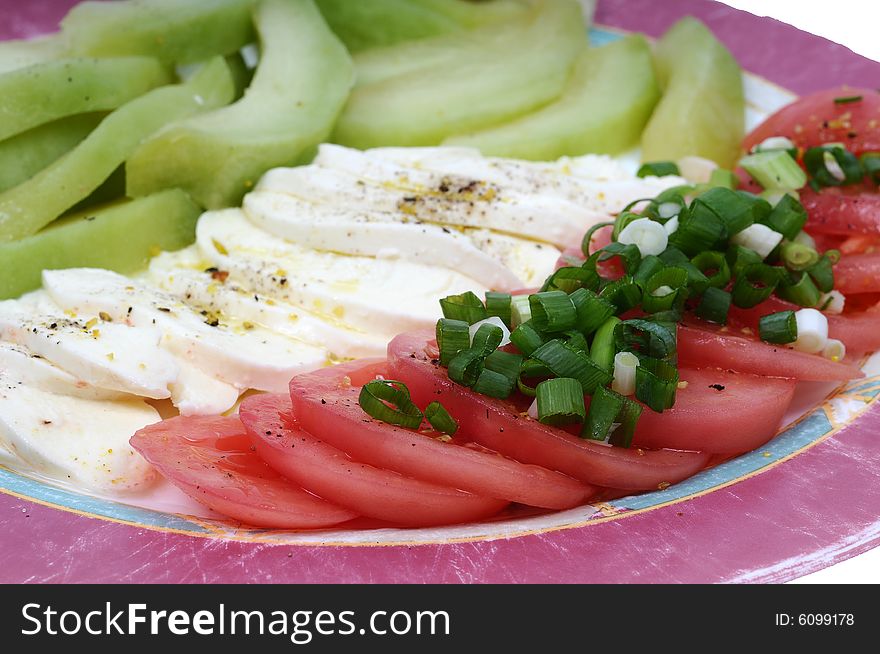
815	619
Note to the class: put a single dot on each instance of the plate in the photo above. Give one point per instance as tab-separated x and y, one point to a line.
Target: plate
806	500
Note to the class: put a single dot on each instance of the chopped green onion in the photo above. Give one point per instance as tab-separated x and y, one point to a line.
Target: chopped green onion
591	309
847	99
760	207
774	169
499	304
623	293
494	321
388	400
656	383
649	265
560	401
759	238
739	258
453	336
630	253
832	302
834	350
871	165
624	218
779	327
673	279
797	257
571	278
673	201
735	210
714	266
777	143
788	217
505	363
487	338
552	311
565	362
466	306
723	178
576	341
531	369
755	284
607	408
494	384
646	337
438	417
646	236
585	242
678	259
699	228
602	349
805	239
812	331
714	305
526	338
821	271
658	169
625	364
832	165
799	290
466	366
773	196
520	310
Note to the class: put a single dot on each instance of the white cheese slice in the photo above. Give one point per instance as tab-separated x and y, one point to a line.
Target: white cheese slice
183	273
245	358
75	439
26	367
109	355
382	296
450	200
376	233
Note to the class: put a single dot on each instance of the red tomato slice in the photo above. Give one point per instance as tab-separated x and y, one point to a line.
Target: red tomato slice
211	459
832	211
700	347
332	474
718	411
858	273
860	332
499	426
816	119
328	409
859	244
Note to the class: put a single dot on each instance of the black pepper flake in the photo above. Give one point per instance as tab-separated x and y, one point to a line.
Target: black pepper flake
717	387
164	309
323	401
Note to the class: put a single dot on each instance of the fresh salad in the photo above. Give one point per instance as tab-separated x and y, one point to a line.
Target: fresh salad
372	264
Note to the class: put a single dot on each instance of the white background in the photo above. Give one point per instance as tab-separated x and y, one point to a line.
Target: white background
853	23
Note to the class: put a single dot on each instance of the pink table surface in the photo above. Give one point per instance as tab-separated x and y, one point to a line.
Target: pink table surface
818	508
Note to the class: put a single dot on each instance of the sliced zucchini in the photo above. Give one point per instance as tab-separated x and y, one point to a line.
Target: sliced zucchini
298	89
604	108
179	31
120	237
33	204
462	85
702	111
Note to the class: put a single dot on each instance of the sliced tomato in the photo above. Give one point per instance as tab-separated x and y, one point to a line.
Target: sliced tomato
498	425
332	474
859	244
859	331
327	407
719	411
858	273
707	347
211	459
834	211
817	119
